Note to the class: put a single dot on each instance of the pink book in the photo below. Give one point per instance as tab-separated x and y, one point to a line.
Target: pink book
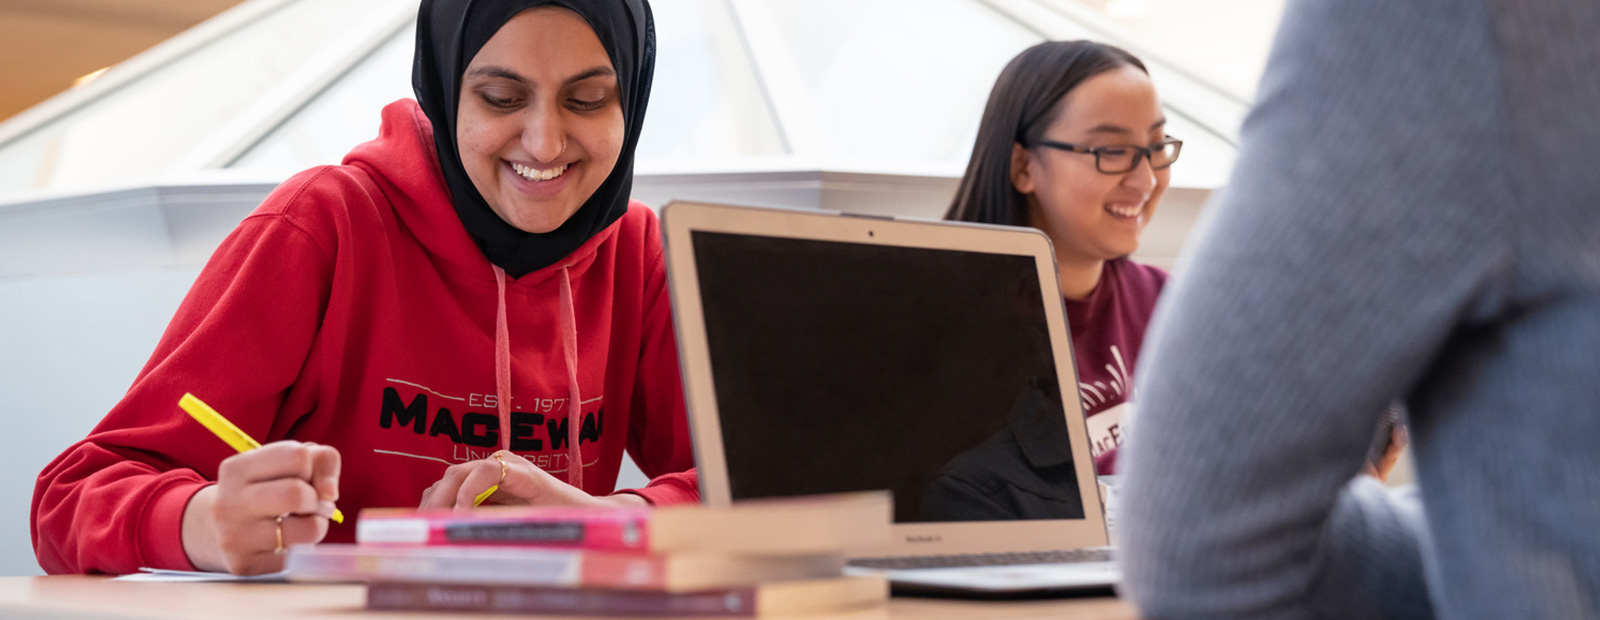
561	527
788	526
563	568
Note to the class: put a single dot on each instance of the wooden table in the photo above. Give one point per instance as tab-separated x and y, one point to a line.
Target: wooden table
99	598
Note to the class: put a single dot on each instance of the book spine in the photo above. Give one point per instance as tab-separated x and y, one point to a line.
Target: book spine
586	602
503	565
622	534
555	568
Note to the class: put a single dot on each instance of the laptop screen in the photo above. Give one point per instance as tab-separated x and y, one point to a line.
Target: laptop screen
846	366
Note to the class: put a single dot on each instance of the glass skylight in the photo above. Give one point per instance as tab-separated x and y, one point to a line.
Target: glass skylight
148	127
843	85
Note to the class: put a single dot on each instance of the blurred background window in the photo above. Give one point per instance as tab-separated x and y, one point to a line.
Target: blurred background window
274	86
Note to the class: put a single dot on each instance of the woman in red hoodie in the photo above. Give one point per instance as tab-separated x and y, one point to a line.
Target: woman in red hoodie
470	299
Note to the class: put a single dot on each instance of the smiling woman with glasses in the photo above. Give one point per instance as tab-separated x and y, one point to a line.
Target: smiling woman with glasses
1073	142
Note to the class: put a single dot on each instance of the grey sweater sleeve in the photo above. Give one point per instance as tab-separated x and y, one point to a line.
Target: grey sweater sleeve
1360	228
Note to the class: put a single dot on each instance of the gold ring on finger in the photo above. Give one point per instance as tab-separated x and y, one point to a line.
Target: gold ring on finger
279	550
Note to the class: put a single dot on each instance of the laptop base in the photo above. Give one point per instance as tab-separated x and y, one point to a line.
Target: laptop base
1003	582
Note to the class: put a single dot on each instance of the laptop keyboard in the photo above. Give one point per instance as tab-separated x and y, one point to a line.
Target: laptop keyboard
1064	556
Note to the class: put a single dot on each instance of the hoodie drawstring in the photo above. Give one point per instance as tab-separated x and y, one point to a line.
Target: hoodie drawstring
569	347
569	350
502	361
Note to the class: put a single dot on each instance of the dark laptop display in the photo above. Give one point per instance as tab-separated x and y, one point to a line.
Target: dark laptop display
843	366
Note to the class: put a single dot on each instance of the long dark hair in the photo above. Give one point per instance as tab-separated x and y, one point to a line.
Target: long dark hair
1021	106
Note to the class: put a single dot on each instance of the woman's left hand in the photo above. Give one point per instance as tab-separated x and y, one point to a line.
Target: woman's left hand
520	482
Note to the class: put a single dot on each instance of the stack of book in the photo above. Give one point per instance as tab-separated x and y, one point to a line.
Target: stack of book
750	559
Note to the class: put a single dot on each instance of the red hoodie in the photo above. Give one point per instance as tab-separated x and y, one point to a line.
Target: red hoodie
352	309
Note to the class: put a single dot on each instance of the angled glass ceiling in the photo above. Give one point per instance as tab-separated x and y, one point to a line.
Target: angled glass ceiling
146	126
275	86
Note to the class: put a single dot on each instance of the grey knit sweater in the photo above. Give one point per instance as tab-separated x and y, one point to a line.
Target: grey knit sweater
1415	216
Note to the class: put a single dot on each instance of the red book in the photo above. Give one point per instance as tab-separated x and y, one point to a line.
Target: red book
781	597
803	525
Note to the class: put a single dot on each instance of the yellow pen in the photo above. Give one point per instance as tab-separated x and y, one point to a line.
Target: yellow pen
478	501
484	495
225	430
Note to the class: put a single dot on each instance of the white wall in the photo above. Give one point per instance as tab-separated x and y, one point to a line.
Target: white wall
69	347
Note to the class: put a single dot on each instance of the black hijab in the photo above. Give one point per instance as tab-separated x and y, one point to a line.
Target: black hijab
449	34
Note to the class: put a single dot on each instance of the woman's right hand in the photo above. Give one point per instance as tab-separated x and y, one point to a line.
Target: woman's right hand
234	525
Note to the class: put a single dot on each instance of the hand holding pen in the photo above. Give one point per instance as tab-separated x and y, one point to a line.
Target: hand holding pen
265	499
508	479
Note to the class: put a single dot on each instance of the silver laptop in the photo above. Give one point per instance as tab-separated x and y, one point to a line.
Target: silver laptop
825	352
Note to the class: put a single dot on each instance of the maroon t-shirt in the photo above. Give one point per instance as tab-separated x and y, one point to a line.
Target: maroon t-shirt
1107	330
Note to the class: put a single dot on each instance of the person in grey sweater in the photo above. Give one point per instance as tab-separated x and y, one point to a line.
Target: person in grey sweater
1415	217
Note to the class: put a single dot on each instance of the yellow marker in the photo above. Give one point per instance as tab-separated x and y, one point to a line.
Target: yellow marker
485	495
478	501
229	433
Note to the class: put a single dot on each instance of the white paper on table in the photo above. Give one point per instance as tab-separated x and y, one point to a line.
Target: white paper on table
162	574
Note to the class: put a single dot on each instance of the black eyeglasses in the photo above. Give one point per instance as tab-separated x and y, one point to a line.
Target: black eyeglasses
1120	158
